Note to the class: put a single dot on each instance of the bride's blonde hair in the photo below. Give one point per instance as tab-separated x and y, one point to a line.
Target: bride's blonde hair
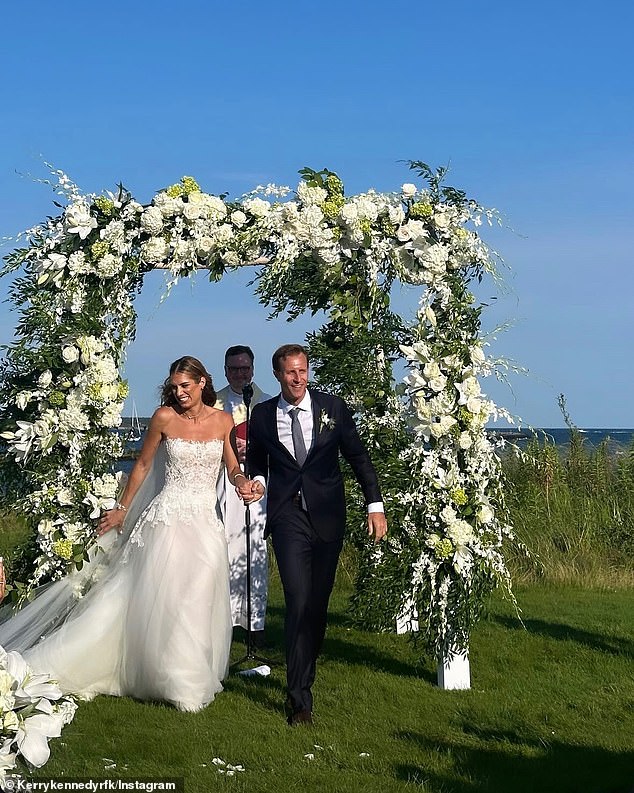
192	366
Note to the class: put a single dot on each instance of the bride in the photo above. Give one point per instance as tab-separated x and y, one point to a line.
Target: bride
149	616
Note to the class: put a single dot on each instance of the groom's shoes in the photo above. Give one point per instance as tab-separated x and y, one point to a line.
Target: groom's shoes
297	717
301	717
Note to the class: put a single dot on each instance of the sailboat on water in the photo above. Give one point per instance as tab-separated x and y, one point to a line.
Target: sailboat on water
135	431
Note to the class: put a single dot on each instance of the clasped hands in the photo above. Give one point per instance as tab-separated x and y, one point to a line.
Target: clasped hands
249	490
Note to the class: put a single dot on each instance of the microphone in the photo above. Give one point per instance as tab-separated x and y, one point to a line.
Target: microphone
247	394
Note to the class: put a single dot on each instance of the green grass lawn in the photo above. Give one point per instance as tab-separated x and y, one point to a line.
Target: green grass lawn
551	709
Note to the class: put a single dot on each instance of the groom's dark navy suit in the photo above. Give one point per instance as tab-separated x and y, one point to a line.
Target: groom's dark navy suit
307	531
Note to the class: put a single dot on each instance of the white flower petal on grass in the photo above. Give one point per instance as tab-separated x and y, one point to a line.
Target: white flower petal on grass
309	756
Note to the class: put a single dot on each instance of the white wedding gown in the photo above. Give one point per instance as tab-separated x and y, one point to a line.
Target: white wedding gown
154	620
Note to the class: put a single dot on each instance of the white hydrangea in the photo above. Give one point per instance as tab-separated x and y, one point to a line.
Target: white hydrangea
77	263
154	251
460	532
108	266
114	235
111	415
311	196
152	221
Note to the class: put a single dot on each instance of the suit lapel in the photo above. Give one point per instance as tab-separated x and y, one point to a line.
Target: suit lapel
272	428
316	408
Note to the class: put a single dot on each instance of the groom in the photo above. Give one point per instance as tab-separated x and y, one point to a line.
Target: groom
294	445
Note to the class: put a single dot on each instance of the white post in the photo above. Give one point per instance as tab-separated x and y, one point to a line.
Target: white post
453	671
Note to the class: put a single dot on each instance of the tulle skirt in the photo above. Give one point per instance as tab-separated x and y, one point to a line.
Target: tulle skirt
154	622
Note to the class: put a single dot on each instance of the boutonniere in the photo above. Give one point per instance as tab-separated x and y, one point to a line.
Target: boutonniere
326	422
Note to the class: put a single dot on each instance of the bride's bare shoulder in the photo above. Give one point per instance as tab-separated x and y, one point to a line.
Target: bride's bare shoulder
162	417
221	416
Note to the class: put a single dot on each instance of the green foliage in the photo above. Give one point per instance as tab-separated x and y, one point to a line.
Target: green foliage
574	507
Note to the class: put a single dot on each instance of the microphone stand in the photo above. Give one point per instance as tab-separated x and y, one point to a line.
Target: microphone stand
247	395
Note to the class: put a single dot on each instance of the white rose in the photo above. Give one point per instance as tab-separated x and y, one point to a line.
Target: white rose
441	219
238	218
168	206
417	229
45	527
216	207
349	213
70	353
408	190
485	514
65	497
223	234
474	405
45	379
192	211
258	207
396	215
204	246
231	259
465	441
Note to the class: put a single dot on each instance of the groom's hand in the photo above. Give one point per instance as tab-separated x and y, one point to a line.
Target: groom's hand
249	490
377	525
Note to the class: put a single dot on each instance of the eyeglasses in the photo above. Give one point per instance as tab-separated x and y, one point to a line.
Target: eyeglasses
242	369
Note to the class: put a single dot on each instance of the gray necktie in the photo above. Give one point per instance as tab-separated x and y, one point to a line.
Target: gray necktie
298	436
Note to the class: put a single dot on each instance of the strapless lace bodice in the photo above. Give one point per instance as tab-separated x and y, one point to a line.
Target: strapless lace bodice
191	473
192	467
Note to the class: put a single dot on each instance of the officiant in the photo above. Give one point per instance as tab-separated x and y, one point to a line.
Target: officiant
239	368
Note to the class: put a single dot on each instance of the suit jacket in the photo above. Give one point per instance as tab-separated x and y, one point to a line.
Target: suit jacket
319	478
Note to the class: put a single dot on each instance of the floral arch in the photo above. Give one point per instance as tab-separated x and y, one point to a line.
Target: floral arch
62	394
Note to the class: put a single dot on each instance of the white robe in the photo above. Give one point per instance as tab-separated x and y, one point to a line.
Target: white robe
233	517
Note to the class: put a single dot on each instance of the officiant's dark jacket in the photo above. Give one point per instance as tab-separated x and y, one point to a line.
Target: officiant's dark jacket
319	478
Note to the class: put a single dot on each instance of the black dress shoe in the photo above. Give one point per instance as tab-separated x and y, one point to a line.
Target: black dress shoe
300	717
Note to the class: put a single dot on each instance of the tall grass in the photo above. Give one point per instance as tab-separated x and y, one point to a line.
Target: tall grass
573	508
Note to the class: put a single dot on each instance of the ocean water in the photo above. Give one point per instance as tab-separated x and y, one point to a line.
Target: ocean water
619	440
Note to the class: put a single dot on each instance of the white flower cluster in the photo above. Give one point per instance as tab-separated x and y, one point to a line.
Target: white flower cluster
32	710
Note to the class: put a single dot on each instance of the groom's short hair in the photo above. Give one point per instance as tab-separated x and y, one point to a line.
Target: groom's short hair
285	351
239	349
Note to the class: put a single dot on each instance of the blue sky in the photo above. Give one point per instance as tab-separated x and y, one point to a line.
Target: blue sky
530	104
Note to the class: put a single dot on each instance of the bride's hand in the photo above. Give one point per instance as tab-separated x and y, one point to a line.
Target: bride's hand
112	519
250	491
